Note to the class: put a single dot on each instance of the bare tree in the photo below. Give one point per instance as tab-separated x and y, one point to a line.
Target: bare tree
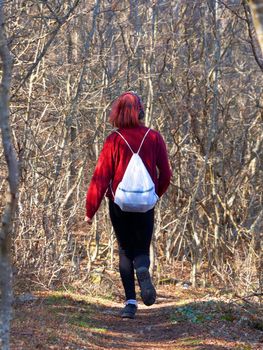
12	192
256	8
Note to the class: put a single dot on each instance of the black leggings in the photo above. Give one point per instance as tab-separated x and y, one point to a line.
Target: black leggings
134	234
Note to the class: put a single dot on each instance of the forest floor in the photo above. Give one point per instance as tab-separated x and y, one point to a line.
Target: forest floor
183	318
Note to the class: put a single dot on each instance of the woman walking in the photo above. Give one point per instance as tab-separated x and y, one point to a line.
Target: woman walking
133	229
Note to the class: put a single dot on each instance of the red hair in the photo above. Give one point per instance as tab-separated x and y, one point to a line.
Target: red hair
125	111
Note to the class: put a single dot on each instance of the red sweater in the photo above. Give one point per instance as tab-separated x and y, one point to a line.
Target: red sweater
114	159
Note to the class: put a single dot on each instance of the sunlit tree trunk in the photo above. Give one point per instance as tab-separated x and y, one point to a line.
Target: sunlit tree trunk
256	7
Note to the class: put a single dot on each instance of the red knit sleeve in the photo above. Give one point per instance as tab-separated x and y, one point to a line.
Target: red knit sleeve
101	179
163	166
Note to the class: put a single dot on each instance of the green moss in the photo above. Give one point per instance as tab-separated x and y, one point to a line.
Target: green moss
228	317
84	321
243	347
191	341
191	314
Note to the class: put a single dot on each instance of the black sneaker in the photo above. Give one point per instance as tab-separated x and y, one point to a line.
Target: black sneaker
129	311
148	292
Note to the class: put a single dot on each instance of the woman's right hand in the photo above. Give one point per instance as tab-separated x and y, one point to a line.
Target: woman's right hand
88	220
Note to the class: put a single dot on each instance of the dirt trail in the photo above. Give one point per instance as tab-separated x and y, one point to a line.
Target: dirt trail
181	319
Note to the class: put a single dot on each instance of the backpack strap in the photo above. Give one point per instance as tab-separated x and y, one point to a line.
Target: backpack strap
124	140
143	141
128	143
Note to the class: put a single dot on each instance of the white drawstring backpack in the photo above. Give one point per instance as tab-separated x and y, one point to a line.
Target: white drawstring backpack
136	191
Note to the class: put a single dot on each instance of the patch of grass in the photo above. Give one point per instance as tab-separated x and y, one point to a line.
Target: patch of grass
98	330
191	341
84	321
80	320
190	313
67	299
56	300
80	323
67	289
243	347
69	307
228	316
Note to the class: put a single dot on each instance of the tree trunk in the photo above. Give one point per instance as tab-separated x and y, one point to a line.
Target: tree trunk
256	7
11	199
